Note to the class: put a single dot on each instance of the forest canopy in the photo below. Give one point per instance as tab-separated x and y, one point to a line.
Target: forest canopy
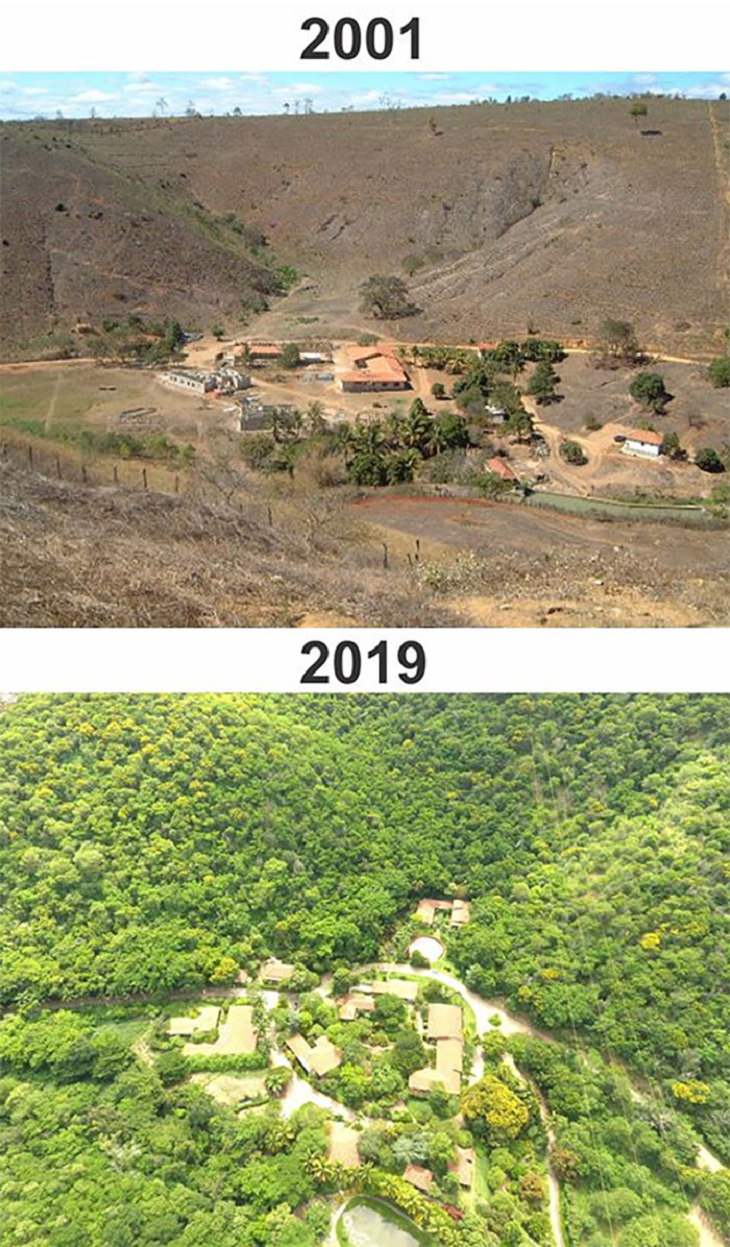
149	843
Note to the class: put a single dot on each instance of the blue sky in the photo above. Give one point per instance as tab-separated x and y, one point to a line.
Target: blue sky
29	95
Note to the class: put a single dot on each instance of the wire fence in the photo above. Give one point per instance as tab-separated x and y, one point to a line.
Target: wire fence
81	469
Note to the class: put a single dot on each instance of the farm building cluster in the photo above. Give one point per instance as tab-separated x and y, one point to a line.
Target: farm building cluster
459	911
225	380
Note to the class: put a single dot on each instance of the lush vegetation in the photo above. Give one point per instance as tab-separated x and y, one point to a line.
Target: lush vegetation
154	843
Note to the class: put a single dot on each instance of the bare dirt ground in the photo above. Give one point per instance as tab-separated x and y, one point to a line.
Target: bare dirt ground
545	569
503	214
210	556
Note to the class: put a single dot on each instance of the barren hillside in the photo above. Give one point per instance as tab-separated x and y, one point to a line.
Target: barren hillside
554	215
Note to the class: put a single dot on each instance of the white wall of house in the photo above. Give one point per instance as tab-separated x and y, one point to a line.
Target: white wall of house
632	447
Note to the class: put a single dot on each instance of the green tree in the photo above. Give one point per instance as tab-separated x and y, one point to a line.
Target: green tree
708	460
648	389
493	1110
543	383
386	297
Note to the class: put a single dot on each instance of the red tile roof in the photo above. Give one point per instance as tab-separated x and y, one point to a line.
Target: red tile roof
500	468
648	436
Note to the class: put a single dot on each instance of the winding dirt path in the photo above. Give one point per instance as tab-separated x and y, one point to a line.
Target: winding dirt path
484	1010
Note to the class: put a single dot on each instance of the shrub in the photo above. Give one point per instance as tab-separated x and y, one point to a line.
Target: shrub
573	453
708	460
719	372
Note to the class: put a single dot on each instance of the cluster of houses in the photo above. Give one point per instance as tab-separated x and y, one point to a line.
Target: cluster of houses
459	911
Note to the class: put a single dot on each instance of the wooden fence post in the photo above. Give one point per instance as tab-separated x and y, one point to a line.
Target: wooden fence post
144	478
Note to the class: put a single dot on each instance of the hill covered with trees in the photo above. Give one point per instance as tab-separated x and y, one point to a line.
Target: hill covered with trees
150	844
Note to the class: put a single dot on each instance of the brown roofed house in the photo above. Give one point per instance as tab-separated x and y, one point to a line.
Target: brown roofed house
353	1004
424	1080
373	369
404	989
502	469
263	350
275	971
444	1022
450	1055
427	908
460	913
419	1177
302	1051
343	1145
463	1166
320	1059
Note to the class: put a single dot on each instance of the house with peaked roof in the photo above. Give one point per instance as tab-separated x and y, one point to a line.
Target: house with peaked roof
275	971
643	442
501	469
419	1177
353	1004
372	369
463	1166
320	1058
404	989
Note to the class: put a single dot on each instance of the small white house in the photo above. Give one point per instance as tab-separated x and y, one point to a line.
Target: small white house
643	442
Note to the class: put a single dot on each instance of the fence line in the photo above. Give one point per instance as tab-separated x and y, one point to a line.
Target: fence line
131	474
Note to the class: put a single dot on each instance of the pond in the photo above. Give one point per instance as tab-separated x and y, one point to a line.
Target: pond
428	947
368	1222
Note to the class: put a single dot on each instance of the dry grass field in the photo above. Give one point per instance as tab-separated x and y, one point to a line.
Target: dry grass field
506	221
554	214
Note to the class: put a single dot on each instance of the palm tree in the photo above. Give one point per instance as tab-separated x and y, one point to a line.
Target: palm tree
161	105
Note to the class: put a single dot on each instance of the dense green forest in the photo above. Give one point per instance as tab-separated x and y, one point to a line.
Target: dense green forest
153	843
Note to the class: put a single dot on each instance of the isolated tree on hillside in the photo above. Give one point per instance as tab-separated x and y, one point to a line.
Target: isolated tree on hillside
708	460
386	297
619	341
638	109
543	383
648	389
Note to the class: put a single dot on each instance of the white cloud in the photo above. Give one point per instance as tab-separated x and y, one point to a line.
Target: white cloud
144	85
91	97
434	77
299	88
217	84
